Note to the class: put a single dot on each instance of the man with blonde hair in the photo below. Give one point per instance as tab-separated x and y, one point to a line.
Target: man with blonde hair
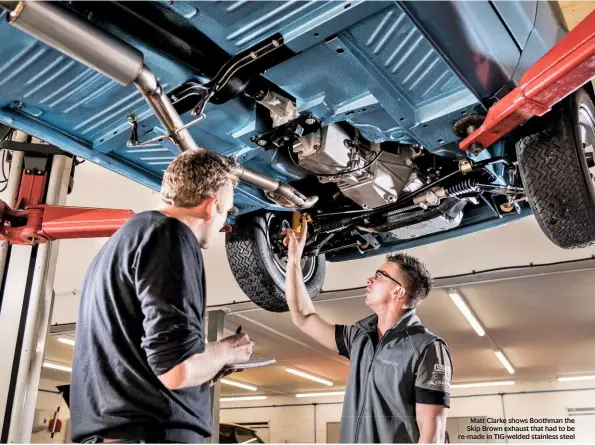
141	368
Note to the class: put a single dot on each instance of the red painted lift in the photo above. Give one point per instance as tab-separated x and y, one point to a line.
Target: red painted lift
563	70
34	223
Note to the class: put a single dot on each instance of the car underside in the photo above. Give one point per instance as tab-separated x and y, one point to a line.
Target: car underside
348	112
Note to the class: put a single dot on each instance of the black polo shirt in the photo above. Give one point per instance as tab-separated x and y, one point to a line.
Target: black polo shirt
142	311
388	377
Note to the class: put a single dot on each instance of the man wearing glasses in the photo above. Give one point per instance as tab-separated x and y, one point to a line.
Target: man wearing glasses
399	381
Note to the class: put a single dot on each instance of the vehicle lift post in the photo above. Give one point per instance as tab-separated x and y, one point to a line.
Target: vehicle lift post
38	183
26	292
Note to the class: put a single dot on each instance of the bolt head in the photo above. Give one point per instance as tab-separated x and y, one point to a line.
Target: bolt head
261	142
408	162
310	121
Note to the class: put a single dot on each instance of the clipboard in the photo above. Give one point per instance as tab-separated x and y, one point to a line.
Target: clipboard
253	363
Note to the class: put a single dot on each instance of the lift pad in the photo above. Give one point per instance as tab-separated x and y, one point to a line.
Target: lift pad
564	69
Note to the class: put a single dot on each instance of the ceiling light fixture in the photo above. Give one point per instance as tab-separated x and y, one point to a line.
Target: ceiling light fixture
482	384
576	378
66	341
504	361
238	384
242	399
57	366
321	394
309	376
466	311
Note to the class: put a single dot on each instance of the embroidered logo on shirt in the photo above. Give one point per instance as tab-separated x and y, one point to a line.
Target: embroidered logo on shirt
443	370
440	376
388	362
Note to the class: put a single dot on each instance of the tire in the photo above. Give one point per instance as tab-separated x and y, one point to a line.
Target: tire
256	269
557	173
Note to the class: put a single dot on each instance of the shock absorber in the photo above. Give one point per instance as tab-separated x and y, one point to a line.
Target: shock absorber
462	188
334	226
433	196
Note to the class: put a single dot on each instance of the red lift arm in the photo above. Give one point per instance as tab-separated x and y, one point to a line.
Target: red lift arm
41	223
564	69
33	223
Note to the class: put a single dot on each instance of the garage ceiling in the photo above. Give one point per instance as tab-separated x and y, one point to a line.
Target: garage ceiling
545	325
574	12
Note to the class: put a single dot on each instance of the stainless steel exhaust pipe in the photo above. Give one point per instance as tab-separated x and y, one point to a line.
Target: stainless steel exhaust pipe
63	30
281	193
67	32
148	85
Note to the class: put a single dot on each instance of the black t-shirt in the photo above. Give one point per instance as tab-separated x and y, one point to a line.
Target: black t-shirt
142	311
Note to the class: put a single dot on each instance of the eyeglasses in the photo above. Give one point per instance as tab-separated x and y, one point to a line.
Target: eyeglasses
382	273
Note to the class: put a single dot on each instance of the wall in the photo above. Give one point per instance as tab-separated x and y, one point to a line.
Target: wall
94	186
295	424
288	424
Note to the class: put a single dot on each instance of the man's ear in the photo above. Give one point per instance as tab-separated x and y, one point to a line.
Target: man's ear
400	296
209	206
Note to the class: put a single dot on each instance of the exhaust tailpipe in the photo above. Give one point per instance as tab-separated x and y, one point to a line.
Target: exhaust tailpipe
68	33
283	194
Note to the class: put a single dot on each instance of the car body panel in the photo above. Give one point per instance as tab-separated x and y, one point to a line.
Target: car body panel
234	433
518	17
397	71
